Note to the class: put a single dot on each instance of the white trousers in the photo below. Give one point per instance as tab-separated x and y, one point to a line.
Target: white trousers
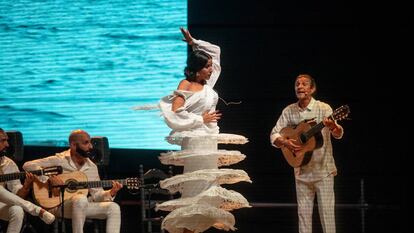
78	208
305	194
11	209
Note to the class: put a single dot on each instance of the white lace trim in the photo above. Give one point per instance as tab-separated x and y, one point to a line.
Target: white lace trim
222	138
198	218
214	196
224	157
214	176
225	138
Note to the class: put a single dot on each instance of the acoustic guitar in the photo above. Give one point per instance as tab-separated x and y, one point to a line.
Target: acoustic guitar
49	171
308	134
75	183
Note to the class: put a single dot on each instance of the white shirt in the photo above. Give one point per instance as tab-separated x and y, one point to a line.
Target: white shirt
8	166
64	159
188	120
322	163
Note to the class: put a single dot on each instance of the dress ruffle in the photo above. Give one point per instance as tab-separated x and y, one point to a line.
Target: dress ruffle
212	176
198	218
224	157
222	138
214	196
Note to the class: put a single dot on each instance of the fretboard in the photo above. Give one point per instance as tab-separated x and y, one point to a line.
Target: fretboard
17	175
100	183
314	130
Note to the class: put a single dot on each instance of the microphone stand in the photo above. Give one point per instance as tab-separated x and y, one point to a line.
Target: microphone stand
62	196
62	209
62	206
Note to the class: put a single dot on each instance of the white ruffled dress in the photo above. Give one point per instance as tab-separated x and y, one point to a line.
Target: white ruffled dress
203	203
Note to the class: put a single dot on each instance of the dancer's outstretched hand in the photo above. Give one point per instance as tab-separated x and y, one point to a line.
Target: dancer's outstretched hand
187	36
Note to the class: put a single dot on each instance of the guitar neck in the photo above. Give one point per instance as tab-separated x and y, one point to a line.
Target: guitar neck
100	183
314	130
17	175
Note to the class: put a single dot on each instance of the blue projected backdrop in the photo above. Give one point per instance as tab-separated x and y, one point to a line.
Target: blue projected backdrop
85	64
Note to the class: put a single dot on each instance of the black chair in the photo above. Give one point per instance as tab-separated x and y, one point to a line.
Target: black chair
101	154
147	191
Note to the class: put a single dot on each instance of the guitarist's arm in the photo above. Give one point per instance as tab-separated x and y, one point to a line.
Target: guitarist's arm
291	144
40	164
25	189
279	142
15	186
276	139
116	186
336	130
99	194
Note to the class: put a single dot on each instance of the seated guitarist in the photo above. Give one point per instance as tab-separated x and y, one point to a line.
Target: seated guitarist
99	204
316	177
12	203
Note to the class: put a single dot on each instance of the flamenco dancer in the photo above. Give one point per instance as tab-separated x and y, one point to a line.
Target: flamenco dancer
191	114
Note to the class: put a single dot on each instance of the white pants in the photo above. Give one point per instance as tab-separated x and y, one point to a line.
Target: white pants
305	194
11	209
78	208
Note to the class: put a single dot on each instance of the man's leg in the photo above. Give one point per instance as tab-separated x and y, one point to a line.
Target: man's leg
106	210
78	208
326	202
14	215
12	199
305	195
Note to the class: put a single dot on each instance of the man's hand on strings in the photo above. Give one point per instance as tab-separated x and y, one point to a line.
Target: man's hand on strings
116	186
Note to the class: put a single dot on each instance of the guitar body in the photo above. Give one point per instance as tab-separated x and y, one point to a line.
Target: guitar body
49	197
75	183
302	157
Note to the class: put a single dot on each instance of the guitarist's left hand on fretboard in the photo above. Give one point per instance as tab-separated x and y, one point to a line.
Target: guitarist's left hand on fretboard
116	186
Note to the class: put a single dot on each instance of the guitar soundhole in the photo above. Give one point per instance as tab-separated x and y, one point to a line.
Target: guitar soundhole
71	186
303	138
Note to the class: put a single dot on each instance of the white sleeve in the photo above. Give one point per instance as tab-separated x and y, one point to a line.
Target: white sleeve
40	164
184	120
12	185
181	119
281	123
214	52
329	112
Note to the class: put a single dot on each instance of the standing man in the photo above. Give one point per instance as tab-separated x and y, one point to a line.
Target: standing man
316	177
99	205
12	193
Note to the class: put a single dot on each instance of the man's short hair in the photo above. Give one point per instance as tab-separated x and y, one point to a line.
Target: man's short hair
74	135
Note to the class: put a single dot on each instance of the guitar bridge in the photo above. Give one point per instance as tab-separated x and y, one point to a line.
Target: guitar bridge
49	189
